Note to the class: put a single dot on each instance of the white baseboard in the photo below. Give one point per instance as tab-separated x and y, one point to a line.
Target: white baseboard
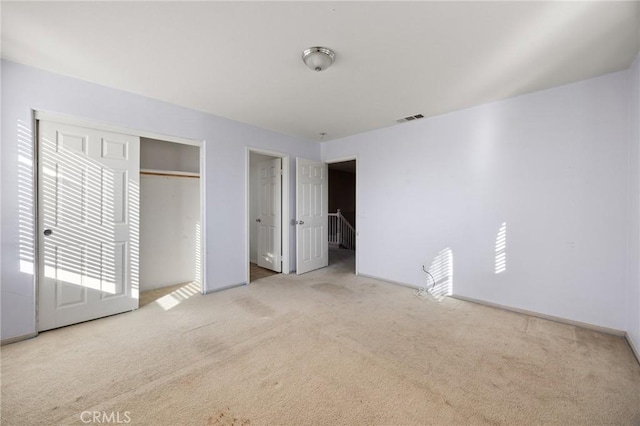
634	348
601	329
581	324
15	339
415	287
215	290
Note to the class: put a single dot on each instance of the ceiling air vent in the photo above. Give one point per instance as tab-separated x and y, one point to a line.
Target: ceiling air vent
410	118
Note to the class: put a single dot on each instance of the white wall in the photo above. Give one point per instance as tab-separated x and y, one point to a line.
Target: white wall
254	160
225	141
551	164
633	292
163	155
169	231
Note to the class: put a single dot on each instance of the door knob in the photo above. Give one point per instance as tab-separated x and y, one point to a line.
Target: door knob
48	232
300	222
258	220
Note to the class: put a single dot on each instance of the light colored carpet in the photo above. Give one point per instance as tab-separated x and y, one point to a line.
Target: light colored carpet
323	348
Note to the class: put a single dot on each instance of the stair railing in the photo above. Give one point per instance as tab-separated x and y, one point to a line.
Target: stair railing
341	232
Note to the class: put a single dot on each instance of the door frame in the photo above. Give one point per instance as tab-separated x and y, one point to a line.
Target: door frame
41	115
342	160
285	209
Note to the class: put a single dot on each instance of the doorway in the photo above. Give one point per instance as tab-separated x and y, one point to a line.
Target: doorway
267	214
342	213
170	225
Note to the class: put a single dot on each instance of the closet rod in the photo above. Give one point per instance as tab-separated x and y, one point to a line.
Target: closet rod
169	174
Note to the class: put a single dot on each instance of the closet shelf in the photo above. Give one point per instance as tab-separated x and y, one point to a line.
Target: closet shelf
168	173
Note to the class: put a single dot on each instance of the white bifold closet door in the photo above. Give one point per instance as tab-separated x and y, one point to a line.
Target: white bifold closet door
88	226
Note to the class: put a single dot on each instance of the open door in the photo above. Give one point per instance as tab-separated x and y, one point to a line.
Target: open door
270	214
88	227
311	215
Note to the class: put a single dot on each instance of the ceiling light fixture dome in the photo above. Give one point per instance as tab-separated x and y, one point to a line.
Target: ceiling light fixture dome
318	58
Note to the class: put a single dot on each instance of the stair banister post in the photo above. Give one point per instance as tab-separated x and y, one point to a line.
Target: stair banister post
339	228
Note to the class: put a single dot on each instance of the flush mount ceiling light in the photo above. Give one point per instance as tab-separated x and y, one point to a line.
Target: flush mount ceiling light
318	58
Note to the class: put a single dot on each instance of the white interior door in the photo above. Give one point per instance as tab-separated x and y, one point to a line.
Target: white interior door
88	189
311	215
270	214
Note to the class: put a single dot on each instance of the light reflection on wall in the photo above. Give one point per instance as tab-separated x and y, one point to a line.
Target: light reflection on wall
198	257
26	205
134	236
440	284
501	249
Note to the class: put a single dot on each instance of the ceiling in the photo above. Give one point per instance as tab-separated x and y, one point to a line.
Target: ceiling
241	60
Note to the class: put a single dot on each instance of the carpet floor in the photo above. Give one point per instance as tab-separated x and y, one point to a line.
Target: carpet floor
326	347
